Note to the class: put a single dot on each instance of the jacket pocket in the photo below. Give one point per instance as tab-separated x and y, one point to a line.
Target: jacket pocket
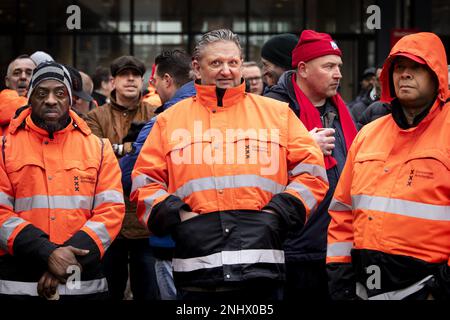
368	168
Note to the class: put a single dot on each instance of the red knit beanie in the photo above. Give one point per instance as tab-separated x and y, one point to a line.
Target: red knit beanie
312	45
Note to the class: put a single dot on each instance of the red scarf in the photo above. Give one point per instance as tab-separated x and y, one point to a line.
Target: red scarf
310	117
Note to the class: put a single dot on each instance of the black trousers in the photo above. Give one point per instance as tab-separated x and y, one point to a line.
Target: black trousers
138	254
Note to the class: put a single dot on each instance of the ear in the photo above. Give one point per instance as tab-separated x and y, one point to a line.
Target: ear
196	68
302	69
7	81
167	79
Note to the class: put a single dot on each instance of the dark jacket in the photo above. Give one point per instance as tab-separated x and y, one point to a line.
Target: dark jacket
374	111
360	106
309	243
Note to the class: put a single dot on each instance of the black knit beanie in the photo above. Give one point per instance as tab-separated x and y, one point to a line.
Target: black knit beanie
278	50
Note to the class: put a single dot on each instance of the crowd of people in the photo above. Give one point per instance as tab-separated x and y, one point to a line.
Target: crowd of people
225	179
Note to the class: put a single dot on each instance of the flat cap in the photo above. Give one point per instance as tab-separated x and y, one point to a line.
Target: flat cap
127	62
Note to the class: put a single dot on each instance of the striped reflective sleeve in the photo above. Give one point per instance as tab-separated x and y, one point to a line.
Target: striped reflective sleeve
7	228
311	169
100	230
238	257
8	287
232	181
407	208
143	180
53	202
305	194
6	200
149	201
339	249
108	196
337	205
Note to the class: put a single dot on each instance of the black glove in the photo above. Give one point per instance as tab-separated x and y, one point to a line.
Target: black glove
133	133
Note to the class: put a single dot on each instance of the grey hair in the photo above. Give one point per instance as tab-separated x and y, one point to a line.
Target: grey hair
215	36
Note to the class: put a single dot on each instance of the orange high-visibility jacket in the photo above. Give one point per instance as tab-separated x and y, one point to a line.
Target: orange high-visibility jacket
227	154
66	189
301	166
10	101
393	196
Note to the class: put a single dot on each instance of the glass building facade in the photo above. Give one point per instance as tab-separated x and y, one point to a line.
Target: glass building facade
110	28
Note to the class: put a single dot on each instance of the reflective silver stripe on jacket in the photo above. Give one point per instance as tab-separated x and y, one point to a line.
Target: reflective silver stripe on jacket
149	203
52	202
312	169
337	205
219	259
7	229
305	193
402	207
143	180
30	288
361	291
6	200
339	249
223	182
100	230
108	196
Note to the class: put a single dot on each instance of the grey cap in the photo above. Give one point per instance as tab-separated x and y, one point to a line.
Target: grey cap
40	56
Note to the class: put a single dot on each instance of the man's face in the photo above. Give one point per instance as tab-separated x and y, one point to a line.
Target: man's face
413	82
161	87
271	72
50	103
128	84
19	77
323	75
253	75
220	64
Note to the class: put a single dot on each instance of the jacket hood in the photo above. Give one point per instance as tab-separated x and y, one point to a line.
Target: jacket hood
424	45
24	112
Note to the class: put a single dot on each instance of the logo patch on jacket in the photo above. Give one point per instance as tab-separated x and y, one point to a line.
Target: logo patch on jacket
80	179
418	174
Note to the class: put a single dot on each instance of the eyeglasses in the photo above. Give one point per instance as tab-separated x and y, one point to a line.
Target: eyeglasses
254	79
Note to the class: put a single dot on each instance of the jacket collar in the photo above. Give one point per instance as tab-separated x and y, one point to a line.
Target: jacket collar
211	96
24	119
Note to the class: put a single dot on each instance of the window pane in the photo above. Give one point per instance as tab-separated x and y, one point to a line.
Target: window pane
208	15
93	51
276	16
440	17
105	15
44	15
333	16
147	47
58	46
160	16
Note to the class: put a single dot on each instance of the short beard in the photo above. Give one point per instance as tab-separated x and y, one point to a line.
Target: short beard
51	127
